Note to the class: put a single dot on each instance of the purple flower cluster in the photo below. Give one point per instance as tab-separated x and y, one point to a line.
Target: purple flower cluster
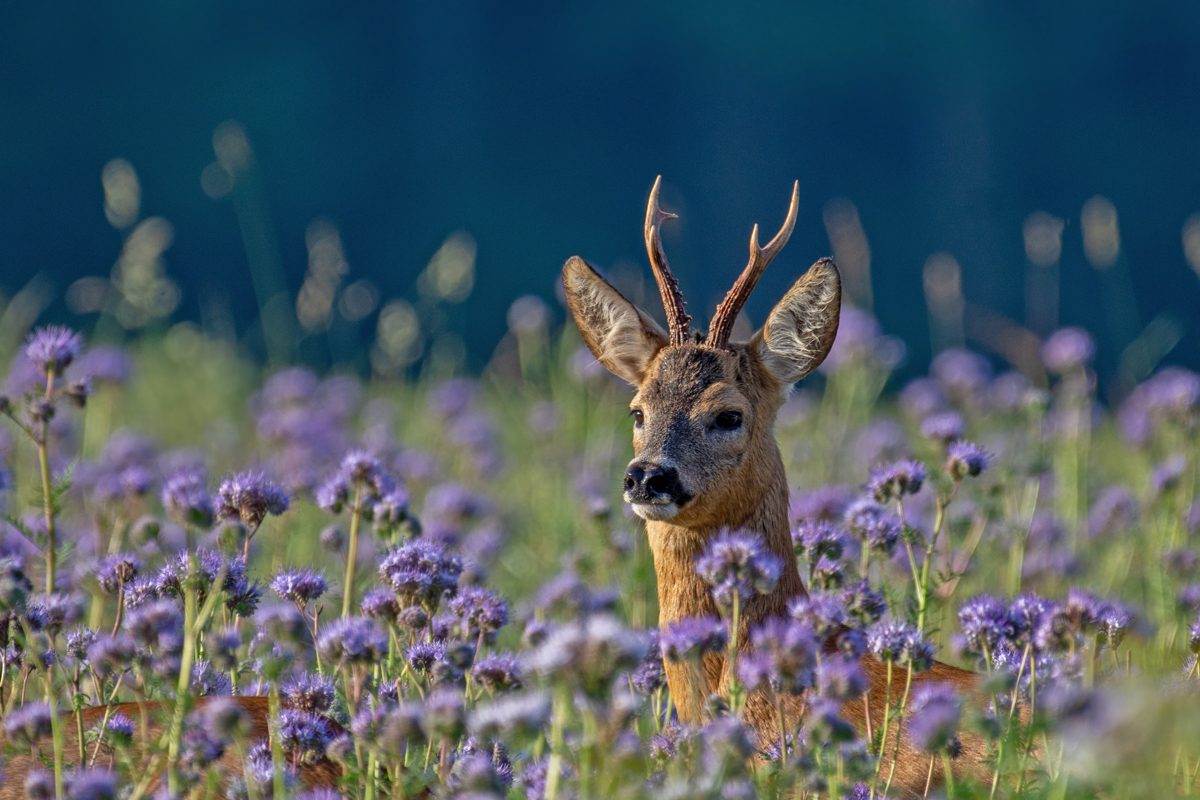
250	497
896	480
737	564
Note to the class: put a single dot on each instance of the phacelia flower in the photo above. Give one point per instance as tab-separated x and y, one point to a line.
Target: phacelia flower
498	672
186	498
53	348
304	735
896	480
381	603
690	638
352	640
479	611
299	586
944	427
985	622
873	525
793	646
420	571
900	643
115	570
738	564
308	691
28	724
1068	349
512	715
965	458
933	718
840	679
250	497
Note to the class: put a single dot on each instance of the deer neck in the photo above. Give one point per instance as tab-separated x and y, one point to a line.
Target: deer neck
762	509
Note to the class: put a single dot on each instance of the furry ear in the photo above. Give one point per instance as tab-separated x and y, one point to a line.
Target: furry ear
620	335
801	328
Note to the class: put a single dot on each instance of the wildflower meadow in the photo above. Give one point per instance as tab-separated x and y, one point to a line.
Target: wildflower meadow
224	581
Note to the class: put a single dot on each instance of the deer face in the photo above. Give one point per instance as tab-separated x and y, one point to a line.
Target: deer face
704	412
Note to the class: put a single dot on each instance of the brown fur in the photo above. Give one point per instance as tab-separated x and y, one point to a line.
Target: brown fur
324	773
738	482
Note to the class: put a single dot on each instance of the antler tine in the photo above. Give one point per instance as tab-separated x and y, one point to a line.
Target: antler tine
760	257
677	318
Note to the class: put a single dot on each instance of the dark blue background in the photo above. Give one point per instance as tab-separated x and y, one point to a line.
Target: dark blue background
539	128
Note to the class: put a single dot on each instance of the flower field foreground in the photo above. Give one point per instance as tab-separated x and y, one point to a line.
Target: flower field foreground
309	587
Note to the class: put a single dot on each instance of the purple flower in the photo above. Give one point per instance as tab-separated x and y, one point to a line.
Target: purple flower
1115	622
250	497
650	674
39	785
873	525
299	586
588	653
53	348
900	643
114	570
1173	393
443	717
308	691
381	603
1167	474
965	458
498	672
793	646
822	503
104	364
985	622
922	397
1068	349
933	717
520	715
896	480
690	638
420	571
840	679
225	720
944	427
110	655
208	681
738	564
186	498
423	655
863	605
304	735
818	540
454	502
29	723
120	727
352	640
479	611
961	374
90	784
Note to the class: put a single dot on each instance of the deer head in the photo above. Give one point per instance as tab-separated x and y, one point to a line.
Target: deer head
704	410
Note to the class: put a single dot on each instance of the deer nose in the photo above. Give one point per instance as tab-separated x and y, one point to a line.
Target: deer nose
650	483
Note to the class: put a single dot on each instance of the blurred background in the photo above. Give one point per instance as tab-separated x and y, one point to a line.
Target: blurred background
363	186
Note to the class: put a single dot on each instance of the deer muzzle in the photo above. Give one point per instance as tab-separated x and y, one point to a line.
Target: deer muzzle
654	491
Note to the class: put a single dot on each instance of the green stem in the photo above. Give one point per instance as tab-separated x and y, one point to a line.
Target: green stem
280	785
352	552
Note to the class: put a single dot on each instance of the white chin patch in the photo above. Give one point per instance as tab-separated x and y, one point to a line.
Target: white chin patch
655	512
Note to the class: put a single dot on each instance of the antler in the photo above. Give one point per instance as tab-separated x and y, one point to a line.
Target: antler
760	257
677	318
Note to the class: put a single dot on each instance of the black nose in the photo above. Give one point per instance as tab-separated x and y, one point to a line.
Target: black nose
650	483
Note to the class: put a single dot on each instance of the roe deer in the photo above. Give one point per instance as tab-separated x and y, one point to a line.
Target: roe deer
706	458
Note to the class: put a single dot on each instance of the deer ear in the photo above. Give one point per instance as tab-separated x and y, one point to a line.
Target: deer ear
801	328
620	335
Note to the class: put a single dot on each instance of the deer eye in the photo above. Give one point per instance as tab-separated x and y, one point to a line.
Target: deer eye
638	417
728	420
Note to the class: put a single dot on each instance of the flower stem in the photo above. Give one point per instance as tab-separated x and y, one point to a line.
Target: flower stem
352	551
